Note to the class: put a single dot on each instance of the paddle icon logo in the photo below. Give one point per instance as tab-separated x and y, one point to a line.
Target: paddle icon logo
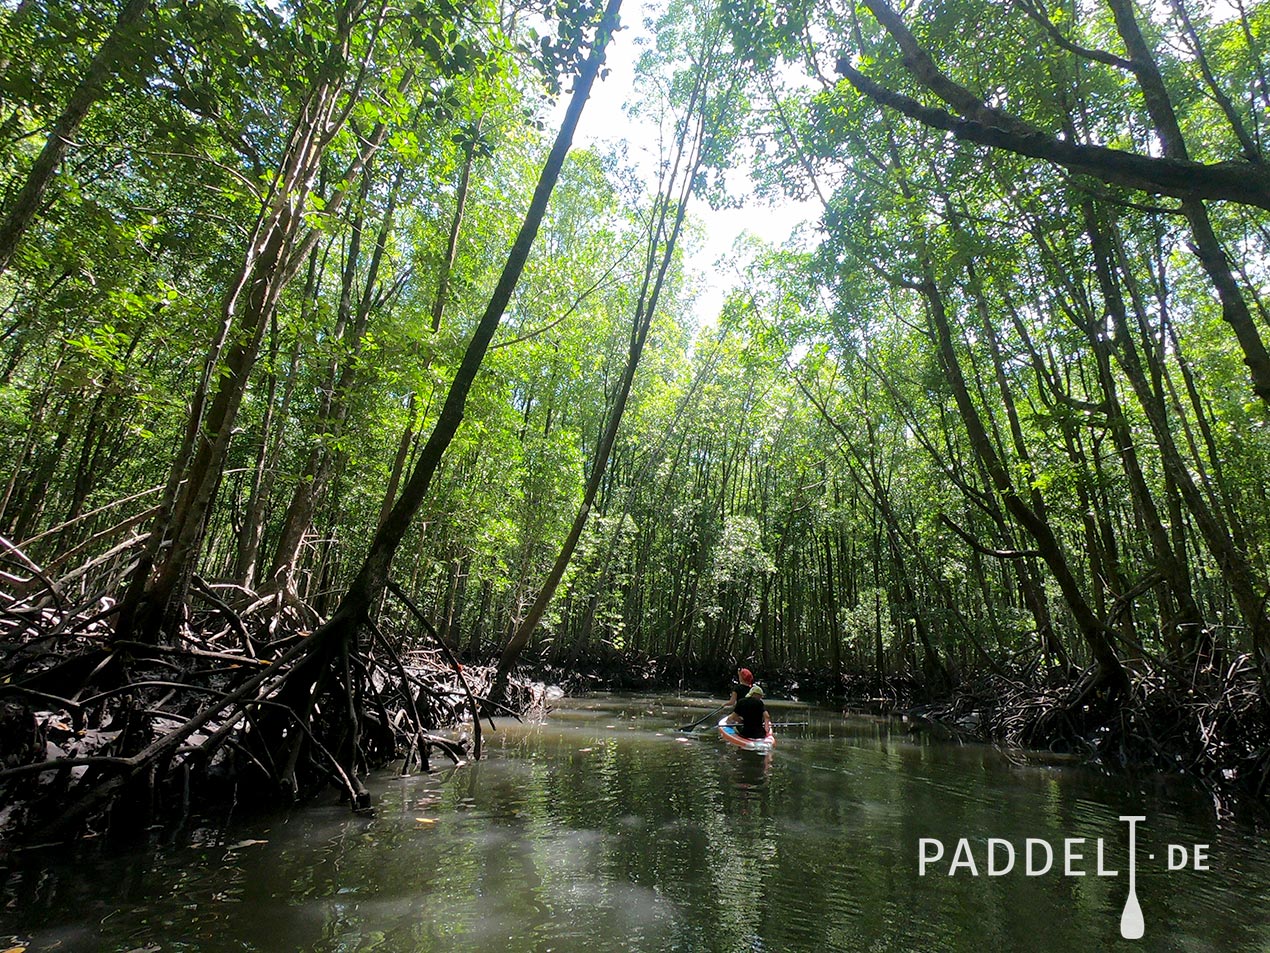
1132	925
1071	857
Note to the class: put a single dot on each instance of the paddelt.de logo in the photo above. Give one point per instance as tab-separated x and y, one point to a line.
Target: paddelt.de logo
1074	857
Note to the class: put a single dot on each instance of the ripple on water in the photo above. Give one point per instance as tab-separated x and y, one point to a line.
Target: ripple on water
578	838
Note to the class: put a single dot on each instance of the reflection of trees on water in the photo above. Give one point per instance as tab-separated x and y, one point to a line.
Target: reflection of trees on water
614	832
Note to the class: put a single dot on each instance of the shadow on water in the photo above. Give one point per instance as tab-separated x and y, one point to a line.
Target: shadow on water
607	828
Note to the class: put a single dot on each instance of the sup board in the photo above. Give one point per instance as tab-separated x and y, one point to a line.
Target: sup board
729	734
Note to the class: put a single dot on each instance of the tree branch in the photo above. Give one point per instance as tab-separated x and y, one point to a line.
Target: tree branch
979	547
1241	182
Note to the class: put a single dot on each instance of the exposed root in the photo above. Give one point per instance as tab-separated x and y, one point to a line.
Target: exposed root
1213	726
96	731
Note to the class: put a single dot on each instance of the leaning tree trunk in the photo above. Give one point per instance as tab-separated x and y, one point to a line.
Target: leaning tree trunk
90	89
351	331
280	242
1240	576
1188	622
1031	589
661	249
373	577
1234	307
1093	629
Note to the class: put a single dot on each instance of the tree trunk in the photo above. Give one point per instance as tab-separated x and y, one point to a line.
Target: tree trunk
659	256
1171	565
248	542
372	577
350	330
280	243
1207	246
1091	627
1238	574
91	87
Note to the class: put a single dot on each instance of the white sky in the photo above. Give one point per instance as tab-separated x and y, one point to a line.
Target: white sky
605	120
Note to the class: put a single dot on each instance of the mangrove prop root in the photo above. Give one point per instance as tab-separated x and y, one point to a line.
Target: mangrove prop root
1212	725
92	726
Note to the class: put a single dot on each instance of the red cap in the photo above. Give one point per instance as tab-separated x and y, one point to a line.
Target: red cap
746	676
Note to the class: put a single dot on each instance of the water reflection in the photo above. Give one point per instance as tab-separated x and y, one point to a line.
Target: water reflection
750	773
607	829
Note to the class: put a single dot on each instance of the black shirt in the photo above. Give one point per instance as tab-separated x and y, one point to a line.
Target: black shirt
750	710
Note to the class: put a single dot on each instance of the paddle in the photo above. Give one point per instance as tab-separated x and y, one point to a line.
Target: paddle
704	718
775	724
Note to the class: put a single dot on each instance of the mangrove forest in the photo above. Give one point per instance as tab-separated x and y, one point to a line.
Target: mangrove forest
362	375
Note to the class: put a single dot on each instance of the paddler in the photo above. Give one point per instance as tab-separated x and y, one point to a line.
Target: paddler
752	714
741	687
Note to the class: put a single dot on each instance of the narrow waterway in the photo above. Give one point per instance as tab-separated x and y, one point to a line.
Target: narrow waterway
604	828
